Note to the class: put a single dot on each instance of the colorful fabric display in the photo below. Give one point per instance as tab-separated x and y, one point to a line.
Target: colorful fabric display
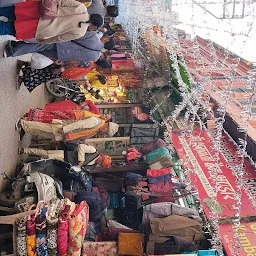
150	146
153	155
21	236
41	236
52	226
63	228
31	235
130	244
160	172
100	248
78	222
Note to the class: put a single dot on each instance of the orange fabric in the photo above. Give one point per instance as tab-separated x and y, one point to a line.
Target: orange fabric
87	133
130	244
74	73
82	114
106	161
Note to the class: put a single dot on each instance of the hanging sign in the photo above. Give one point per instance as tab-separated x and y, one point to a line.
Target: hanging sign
197	154
246	237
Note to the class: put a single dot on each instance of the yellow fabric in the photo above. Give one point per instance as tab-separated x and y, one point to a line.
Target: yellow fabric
130	244
87	133
92	74
106	161
31	245
81	114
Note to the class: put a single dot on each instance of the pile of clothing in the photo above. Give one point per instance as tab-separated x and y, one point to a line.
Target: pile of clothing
56	228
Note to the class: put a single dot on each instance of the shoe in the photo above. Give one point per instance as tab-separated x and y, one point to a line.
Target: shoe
8	49
20	150
21	134
19	81
18	126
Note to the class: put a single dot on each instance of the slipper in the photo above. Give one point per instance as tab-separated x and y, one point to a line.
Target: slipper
19	81
20	151
18	125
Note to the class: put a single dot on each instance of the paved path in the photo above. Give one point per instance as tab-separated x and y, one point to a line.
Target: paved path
13	103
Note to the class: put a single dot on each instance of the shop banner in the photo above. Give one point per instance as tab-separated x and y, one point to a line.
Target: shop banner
197	154
246	237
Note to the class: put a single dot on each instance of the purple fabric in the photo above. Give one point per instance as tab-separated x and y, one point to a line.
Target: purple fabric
150	146
159	179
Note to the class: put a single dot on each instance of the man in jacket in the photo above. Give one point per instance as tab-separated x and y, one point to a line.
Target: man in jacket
86	48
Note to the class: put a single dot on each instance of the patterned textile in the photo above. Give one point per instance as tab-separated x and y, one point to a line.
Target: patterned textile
31	235
43	116
100	248
63	227
41	240
52	226
78	222
31	78
21	236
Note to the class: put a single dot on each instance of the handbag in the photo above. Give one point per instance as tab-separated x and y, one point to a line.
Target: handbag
49	9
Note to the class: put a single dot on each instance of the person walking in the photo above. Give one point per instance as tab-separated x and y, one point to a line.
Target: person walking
86	48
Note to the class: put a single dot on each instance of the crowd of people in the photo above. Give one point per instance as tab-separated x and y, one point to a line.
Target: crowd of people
68	39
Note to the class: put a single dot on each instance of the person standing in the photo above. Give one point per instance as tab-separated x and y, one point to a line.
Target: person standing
81	154
67	20
86	48
67	130
97	7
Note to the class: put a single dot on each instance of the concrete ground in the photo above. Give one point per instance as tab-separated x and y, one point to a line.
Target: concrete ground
13	104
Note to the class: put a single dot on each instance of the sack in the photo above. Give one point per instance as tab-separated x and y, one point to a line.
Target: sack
49	9
39	61
150	146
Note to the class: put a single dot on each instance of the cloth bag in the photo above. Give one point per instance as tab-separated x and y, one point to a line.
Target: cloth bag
39	61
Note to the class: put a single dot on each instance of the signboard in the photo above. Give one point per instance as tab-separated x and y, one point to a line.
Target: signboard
246	237
196	153
110	146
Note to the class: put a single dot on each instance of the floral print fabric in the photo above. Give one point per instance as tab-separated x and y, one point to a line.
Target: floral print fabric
78	222
41	240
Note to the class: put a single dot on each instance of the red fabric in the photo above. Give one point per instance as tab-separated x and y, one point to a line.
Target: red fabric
74	73
43	116
92	107
27	17
160	172
162	188
61	105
